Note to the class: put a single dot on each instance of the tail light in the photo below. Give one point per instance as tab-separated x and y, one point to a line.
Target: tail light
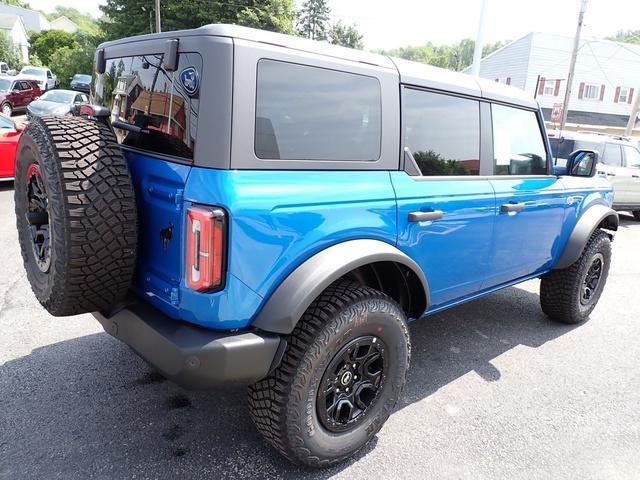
205	255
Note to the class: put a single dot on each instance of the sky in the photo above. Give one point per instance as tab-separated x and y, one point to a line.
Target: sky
396	23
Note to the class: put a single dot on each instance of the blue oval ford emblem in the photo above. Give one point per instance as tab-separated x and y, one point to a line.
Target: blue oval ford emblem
189	80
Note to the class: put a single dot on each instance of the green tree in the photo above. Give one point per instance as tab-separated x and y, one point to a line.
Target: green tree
16	3
9	53
45	43
454	57
125	18
313	19
626	36
345	35
86	23
66	62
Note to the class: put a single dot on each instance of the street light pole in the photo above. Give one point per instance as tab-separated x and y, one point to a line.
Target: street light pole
634	113
158	26
477	51
572	65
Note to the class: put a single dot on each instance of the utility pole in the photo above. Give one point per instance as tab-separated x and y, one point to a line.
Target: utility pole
477	51
634	114
572	65
158	26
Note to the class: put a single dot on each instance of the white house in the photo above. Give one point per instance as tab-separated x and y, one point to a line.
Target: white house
64	24
606	80
12	27
31	19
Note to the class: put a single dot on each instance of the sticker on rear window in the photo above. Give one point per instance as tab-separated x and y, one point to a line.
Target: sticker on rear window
189	80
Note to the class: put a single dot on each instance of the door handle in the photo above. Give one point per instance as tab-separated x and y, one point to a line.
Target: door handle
425	216
511	207
611	174
635	176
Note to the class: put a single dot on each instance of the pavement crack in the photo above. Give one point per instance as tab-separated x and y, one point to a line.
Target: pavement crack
5	294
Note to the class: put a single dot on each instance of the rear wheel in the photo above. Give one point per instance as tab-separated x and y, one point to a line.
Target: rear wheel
7	110
75	213
570	295
341	375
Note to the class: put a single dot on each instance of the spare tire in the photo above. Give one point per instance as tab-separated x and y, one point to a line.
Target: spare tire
75	213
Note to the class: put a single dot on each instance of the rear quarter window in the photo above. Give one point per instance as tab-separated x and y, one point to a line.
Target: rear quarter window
312	113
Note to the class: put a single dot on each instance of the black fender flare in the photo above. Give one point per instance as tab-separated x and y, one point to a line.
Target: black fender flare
285	306
592	217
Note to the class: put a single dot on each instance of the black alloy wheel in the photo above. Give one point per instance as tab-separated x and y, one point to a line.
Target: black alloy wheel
352	383
37	216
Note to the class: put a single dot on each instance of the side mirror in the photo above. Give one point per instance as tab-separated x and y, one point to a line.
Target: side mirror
582	163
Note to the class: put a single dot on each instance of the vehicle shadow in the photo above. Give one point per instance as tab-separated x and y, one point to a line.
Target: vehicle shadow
89	407
6	185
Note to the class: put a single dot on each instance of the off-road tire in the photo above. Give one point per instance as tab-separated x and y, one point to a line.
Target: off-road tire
283	405
561	290
636	215
92	218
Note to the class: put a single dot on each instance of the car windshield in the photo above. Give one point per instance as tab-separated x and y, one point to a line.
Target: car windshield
82	78
58	96
4	85
33	71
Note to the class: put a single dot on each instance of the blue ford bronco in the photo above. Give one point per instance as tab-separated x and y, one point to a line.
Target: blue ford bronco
241	206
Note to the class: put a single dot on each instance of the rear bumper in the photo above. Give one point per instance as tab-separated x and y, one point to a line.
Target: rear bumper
189	355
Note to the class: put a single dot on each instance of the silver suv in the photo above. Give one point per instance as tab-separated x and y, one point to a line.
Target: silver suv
619	162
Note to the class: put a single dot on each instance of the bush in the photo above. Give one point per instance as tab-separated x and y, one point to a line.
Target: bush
66	62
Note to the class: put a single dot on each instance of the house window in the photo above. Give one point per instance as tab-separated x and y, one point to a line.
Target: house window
624	95
591	91
549	87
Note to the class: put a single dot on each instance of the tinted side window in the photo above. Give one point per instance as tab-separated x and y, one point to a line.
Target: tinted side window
442	132
310	113
631	157
518	147
138	90
612	155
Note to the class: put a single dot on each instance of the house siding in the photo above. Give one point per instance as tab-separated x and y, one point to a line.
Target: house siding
606	64
511	61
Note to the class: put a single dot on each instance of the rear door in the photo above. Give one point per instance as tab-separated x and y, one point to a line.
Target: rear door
631	185
445	212
141	92
530	202
611	165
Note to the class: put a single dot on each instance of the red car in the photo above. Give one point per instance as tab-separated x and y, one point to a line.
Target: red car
16	94
9	135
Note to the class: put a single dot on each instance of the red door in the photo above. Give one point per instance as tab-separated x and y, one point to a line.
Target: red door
9	136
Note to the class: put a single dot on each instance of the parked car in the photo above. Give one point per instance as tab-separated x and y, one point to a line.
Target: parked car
9	135
81	82
17	94
46	80
619	162
273	217
56	102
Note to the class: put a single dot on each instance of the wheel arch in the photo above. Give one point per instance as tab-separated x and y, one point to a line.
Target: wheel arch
594	217
368	262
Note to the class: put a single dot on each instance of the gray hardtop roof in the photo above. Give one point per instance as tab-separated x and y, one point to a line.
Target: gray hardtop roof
412	73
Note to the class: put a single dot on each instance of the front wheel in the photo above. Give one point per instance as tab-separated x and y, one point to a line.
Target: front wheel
6	109
341	375
570	295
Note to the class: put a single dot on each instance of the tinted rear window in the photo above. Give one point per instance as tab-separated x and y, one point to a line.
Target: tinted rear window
138	90
310	113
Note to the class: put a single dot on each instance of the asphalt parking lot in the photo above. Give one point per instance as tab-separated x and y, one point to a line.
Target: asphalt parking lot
495	391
